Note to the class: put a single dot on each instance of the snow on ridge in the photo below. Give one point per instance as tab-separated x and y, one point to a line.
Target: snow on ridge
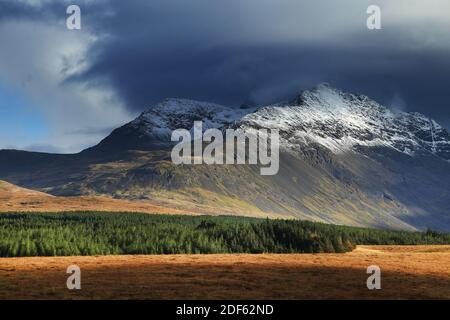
341	121
334	119
175	113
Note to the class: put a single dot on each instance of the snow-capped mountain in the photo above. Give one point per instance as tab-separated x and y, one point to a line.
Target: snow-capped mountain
324	116
154	127
344	159
172	114
342	121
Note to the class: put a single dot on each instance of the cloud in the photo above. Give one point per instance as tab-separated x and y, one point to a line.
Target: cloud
266	50
36	62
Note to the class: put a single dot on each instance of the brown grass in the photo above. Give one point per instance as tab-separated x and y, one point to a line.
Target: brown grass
16	199
420	272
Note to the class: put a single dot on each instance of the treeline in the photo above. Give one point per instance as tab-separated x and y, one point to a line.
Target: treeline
87	233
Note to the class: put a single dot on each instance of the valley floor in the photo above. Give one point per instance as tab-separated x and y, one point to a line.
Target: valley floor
407	272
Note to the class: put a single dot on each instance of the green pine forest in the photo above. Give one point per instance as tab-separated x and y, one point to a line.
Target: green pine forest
90	233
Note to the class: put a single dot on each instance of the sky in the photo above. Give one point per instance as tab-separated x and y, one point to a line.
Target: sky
64	90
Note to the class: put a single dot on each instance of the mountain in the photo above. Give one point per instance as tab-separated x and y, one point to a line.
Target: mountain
153	128
341	121
345	159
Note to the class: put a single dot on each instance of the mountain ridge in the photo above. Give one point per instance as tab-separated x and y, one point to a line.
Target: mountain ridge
327	116
345	159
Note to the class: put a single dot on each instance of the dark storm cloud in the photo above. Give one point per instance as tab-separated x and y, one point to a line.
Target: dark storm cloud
229	52
17	9
10	10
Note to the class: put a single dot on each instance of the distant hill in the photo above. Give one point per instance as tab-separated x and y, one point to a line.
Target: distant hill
16	199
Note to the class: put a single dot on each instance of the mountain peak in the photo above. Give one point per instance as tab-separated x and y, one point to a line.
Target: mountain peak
323	116
341	121
175	113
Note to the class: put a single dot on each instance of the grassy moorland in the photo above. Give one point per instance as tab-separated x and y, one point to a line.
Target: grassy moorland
407	272
90	233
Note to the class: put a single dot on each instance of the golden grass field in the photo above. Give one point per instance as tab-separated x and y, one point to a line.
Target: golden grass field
17	199
408	272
